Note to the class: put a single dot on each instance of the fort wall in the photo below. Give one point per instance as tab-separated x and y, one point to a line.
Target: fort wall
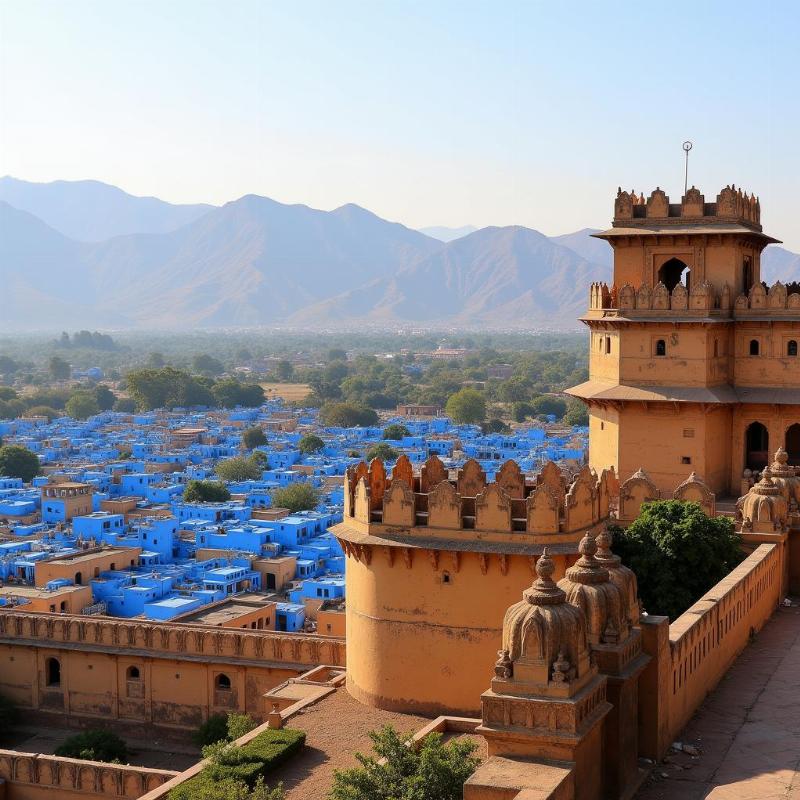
171	675
30	776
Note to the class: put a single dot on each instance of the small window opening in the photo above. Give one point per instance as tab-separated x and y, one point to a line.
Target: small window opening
791	348
754	347
133	674
661	347
445	577
53	668
223	682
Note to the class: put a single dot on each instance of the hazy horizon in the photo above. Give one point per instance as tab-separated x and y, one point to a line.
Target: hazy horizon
448	114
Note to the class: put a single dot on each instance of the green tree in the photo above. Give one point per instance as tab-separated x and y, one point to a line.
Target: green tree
260	459
521	411
347	415
82	405
238	725
284	371
495	425
207	365
230	393
395	432
42	411
19	462
297	496
384	451
254	437
212	730
466	406
95	745
155	360
678	553
105	397
399	770
310	443
337	354
238	469
125	405
577	413
206	492
8	366
549	405
59	369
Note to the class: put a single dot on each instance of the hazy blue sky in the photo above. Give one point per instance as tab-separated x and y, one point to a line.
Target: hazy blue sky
428	112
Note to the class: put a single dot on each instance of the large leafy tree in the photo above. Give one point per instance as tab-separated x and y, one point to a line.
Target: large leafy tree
398	770
466	406
678	553
59	369
384	451
254	437
18	462
239	469
310	443
347	415
206	492
298	496
82	405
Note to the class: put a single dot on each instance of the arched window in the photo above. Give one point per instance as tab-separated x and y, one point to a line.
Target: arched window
791	348
756	446
53	671
674	272
793	444
223	682
133	674
661	347
78	579
754	347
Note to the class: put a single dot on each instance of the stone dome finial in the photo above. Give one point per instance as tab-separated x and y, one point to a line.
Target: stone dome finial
587	569
765	507
604	540
544	590
781	456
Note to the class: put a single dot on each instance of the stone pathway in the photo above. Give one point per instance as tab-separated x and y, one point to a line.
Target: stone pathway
747	731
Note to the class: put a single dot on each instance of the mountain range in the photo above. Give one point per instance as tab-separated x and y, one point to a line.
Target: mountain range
85	253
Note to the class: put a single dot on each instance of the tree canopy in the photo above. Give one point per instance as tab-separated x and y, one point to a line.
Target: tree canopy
82	405
297	496
310	443
254	437
384	451
206	492
678	553
395	431
401	770
239	468
19	462
95	745
347	415
466	406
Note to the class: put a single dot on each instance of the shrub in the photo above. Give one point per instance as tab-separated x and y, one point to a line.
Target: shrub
296	497
82	405
95	745
231	765
577	413
125	405
432	770
678	553
214	729
238	725
42	411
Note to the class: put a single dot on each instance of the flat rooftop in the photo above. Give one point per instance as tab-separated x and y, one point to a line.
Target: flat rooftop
82	557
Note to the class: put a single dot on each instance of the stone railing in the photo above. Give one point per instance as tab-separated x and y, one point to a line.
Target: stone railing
31	775
169	640
705	640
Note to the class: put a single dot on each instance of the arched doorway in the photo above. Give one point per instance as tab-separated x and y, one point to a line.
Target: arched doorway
674	272
756	443
793	444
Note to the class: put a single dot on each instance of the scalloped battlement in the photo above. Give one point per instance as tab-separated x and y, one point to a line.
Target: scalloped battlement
732	205
702	297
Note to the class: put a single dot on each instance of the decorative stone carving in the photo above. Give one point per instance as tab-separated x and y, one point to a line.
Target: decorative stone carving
362	501
493	509
511	479
403	471
471	479
542	511
398	505
679	300
377	484
694	490
764	508
444	507
661	297
658	204
635	491
433	472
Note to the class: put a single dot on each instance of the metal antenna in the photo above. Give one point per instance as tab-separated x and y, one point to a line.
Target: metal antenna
687	146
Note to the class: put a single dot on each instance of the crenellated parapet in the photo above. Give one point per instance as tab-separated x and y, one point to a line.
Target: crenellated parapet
703	299
434	500
732	205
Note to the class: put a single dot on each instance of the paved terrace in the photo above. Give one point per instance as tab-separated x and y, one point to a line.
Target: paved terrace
747	731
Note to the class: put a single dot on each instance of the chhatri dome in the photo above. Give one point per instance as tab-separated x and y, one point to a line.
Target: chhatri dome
588	585
545	649
764	507
620	575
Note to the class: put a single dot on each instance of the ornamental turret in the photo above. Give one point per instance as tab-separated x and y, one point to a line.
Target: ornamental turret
622	577
763	509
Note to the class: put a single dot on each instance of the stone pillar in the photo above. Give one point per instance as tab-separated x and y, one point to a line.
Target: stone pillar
654	688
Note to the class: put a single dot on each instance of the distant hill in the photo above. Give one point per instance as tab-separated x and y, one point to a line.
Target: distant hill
255	262
91	211
444	234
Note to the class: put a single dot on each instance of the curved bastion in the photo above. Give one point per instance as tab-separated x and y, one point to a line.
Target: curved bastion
435	558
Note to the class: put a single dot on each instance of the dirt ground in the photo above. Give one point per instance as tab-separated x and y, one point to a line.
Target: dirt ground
288	391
